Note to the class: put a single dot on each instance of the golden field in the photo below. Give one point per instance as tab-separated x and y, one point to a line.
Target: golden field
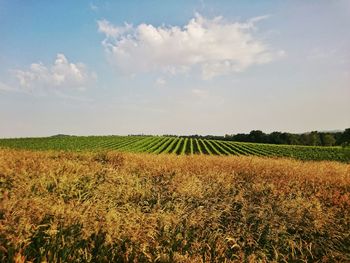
122	207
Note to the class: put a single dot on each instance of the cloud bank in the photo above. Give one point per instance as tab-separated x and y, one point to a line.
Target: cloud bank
215	46
61	74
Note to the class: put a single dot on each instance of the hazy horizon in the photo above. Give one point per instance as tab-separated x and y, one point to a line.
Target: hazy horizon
143	134
184	67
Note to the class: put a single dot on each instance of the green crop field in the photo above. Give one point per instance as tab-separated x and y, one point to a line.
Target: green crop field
176	145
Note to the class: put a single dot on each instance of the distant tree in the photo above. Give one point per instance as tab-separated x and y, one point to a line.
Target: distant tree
327	139
257	136
305	139
345	138
315	138
337	136
291	138
228	137
275	138
241	137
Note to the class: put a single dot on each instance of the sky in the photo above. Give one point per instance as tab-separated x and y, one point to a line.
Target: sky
173	67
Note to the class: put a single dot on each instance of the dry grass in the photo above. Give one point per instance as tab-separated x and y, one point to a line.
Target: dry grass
70	207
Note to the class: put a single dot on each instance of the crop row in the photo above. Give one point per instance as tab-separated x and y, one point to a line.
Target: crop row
176	145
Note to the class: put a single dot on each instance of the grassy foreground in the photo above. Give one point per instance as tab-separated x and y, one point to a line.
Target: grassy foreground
100	207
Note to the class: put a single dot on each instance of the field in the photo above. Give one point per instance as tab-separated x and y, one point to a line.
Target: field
136	207
176	145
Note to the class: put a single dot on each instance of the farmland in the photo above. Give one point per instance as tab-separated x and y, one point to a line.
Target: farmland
171	199
176	145
60	206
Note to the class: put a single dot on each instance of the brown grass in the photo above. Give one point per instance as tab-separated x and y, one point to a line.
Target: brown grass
71	207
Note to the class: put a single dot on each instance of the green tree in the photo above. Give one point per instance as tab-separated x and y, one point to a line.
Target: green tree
327	139
345	137
257	136
314	138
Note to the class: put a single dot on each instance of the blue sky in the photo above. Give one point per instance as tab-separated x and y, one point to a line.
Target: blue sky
173	67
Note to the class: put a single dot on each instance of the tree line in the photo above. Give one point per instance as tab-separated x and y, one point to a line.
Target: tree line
314	138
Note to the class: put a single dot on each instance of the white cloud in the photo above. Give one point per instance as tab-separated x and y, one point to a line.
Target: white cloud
218	47
62	74
112	31
160	82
